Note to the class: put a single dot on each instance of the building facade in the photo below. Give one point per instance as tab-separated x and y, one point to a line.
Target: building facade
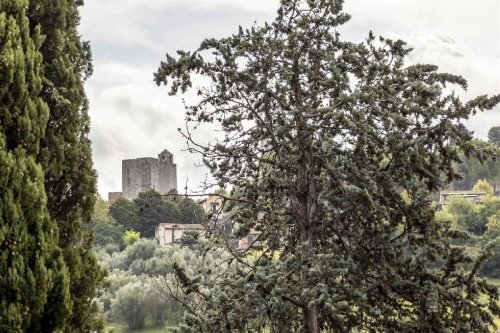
149	173
212	204
476	197
171	233
113	196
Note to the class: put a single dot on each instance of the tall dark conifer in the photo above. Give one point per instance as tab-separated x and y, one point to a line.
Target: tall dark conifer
70	181
34	292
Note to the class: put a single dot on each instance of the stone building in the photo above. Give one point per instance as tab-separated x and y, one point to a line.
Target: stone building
211	204
113	196
476	197
171	233
149	173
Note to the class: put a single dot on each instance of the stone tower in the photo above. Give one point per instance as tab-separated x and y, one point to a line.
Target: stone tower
167	172
148	173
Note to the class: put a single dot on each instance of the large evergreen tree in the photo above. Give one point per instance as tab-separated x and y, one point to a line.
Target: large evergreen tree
124	212
152	209
321	137
494	135
65	153
34	293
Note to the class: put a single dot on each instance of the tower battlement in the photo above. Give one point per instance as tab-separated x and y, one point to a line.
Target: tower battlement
149	173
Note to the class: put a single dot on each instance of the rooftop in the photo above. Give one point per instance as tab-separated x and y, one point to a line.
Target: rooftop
463	192
182	226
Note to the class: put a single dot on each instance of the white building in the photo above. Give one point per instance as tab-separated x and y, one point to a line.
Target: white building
171	233
212	204
476	197
250	240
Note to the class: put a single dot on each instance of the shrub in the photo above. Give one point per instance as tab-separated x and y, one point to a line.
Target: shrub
128	305
130	237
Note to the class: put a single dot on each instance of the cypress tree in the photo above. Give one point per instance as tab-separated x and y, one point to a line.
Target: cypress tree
65	154
34	293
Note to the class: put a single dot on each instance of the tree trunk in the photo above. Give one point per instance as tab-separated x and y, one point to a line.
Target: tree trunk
311	319
310	311
303	202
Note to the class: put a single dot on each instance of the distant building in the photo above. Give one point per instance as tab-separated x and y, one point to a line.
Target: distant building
171	233
250	240
211	204
148	173
475	197
113	196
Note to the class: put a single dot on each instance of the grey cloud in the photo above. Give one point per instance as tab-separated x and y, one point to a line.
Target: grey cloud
131	117
474	23
446	39
133	120
159	29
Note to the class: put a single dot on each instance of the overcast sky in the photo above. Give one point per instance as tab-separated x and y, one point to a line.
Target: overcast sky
132	117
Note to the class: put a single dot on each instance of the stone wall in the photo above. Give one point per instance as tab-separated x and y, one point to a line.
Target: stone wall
148	173
112	196
167	172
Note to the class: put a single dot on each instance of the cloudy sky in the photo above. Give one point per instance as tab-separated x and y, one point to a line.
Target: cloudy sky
132	117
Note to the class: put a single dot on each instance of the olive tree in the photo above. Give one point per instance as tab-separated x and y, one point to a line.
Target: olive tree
129	305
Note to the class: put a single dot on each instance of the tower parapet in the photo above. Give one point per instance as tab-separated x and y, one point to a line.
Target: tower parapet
149	173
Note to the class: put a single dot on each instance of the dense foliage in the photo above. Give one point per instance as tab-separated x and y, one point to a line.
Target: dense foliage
471	217
490	212
320	138
152	209
494	135
149	209
106	229
190	211
483	185
140	278
124	213
129	305
473	169
56	132
34	295
130	237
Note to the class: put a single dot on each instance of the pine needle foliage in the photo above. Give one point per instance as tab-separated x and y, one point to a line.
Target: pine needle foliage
320	138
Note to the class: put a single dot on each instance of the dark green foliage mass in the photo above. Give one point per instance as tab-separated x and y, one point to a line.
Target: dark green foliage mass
321	137
107	233
65	153
34	286
491	267
494	135
486	210
149	209
106	229
123	211
153	209
190	212
492	236
65	148
473	169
